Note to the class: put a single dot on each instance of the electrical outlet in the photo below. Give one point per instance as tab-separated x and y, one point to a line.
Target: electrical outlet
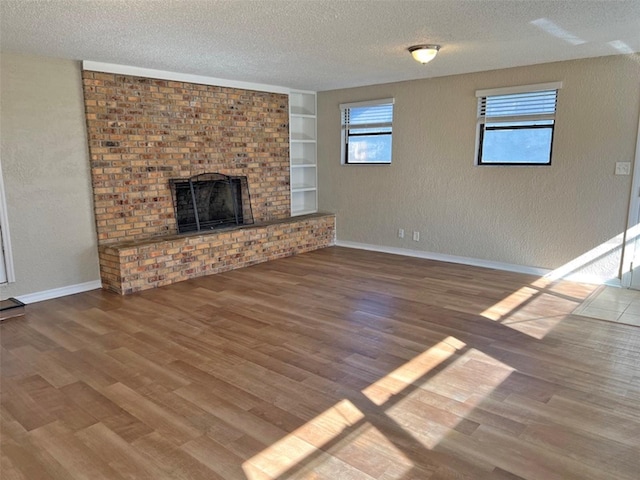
416	236
623	168
401	233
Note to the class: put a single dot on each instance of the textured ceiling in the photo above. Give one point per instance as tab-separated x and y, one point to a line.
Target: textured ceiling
319	44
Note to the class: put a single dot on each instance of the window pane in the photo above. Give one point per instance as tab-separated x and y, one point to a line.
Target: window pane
517	145
369	149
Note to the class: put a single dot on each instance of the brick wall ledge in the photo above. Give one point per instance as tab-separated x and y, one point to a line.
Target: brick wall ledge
134	266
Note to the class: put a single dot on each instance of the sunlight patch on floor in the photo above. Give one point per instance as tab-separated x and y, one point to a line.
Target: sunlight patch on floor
536	327
334	442
508	304
316	446
469	379
526	310
294	448
395	382
472	374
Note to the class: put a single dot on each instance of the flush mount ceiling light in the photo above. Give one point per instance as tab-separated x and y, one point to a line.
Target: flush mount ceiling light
424	53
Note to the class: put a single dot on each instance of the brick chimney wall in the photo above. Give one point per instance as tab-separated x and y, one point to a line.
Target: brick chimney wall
143	131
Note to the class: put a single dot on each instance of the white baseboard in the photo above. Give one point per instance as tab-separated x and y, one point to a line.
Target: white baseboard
441	257
476	262
59	292
588	278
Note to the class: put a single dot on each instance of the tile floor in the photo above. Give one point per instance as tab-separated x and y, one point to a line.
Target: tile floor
613	304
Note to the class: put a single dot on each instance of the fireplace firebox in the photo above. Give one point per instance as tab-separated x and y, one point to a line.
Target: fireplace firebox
209	201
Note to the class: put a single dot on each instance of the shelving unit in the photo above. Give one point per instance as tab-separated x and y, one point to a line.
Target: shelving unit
302	137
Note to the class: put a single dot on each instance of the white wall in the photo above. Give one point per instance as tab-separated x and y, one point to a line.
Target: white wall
534	216
46	174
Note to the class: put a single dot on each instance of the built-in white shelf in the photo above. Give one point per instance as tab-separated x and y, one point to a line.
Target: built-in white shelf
302	127
302	132
304	202
302	103
303	178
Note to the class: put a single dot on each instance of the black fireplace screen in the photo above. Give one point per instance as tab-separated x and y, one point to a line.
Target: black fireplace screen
211	200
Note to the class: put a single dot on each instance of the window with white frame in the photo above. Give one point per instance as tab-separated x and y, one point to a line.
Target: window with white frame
367	130
516	124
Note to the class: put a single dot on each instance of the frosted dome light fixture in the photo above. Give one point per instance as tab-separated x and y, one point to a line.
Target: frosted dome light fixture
424	53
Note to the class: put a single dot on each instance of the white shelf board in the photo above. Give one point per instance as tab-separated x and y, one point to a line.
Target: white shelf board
301	164
297	137
303	188
303	115
303	212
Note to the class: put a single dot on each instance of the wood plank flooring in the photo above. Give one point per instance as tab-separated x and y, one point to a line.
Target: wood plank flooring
336	364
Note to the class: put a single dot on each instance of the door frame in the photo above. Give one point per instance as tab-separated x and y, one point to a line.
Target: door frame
5	237
633	220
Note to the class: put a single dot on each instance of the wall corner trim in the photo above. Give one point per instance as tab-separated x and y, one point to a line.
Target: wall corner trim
59	292
180	77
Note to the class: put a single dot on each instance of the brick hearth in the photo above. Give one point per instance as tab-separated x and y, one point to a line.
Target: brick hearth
144	131
129	267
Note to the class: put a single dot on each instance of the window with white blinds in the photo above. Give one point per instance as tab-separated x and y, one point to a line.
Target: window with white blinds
367	130
516	125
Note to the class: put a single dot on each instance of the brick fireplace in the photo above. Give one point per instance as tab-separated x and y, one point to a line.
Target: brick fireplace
143	132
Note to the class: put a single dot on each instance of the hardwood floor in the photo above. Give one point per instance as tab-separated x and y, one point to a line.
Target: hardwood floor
336	364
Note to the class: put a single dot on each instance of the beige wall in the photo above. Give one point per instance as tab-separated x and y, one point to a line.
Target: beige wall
540	217
533	216
46	174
